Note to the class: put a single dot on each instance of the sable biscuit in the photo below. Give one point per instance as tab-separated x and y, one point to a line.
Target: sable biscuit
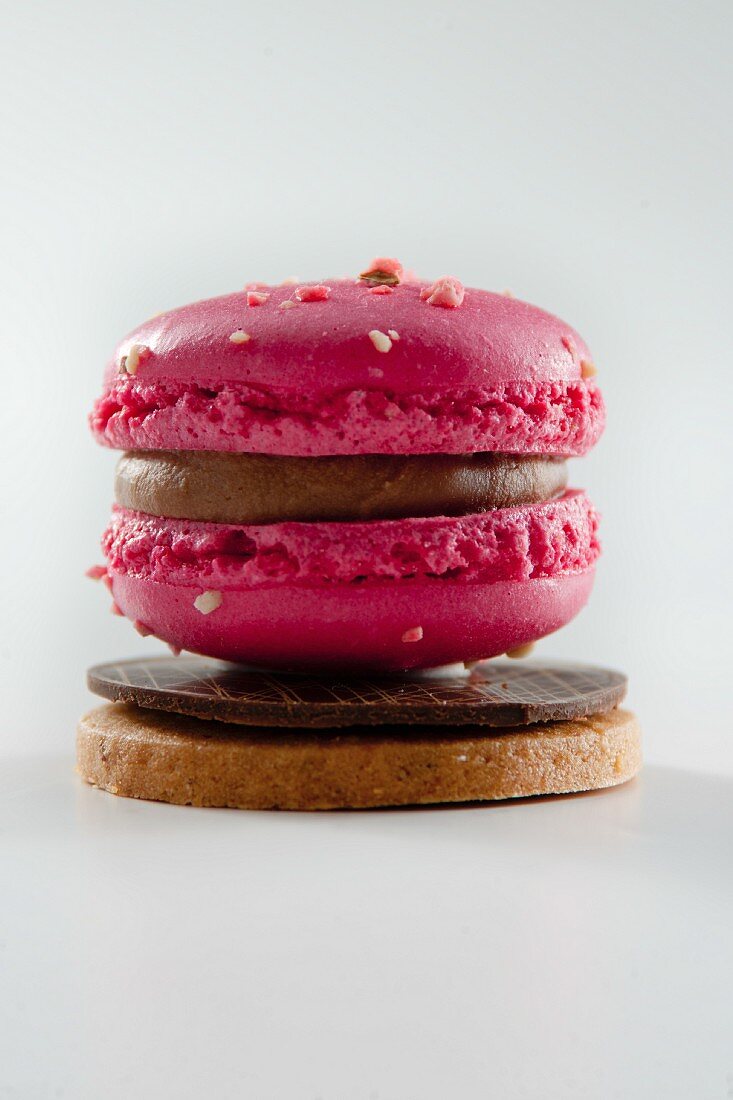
171	758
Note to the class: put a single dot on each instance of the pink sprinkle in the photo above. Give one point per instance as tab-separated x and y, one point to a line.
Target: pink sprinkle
387	264
317	293
446	292
256	298
142	629
568	344
116	609
380	288
107	582
174	649
96	572
383	269
414	634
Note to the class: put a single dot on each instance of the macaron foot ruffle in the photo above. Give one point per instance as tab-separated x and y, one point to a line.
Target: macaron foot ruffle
560	417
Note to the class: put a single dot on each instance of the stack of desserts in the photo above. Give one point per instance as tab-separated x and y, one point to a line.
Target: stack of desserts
360	474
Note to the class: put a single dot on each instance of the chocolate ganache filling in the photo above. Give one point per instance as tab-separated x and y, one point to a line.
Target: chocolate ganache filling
220	487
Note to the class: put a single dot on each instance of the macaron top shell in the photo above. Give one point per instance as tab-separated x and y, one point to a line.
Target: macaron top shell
325	345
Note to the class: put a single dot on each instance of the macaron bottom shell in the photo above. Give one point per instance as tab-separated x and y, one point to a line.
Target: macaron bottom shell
380	625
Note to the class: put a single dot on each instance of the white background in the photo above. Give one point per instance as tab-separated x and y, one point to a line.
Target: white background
578	153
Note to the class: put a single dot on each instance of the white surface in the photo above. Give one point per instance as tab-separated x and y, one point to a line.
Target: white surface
568	948
577	153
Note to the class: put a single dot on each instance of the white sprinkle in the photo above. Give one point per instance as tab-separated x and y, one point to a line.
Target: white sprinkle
440	672
392	334
288	304
137	354
292	280
207	602
376	372
414	634
240	337
462	758
380	340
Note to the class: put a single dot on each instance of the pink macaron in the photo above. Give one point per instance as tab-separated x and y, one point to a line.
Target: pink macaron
359	473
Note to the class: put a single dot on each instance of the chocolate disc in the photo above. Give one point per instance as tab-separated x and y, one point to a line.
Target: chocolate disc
494	693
